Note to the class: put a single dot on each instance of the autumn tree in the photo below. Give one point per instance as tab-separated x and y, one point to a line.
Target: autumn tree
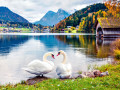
113	8
72	28
75	19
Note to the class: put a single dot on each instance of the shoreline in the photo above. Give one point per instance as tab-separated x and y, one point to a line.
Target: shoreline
106	82
46	34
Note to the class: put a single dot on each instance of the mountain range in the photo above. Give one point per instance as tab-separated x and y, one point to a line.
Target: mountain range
72	11
51	18
7	15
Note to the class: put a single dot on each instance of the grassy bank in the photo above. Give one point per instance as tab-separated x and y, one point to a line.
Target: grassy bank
22	29
111	82
73	31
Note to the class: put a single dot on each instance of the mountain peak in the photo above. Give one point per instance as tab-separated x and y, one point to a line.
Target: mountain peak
7	15
72	11
4	9
51	18
50	12
61	11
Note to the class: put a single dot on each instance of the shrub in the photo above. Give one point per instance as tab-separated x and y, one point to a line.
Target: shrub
117	54
115	47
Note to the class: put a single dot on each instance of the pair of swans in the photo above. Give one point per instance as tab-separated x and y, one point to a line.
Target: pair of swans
40	68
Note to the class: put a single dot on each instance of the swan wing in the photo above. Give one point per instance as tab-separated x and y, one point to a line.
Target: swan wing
38	66
68	67
60	69
64	69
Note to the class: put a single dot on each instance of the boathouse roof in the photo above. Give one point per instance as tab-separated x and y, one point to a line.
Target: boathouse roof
108	22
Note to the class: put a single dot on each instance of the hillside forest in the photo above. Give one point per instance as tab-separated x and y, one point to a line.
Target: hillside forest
87	17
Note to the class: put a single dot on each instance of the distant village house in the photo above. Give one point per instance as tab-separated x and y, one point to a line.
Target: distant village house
77	27
68	27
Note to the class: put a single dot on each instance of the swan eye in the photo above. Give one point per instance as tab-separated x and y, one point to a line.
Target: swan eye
53	56
59	53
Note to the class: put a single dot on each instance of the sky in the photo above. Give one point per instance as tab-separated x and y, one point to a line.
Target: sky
34	10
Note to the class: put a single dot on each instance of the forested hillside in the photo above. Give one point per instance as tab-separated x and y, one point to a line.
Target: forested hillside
86	16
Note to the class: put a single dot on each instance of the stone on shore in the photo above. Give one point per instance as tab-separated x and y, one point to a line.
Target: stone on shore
93	74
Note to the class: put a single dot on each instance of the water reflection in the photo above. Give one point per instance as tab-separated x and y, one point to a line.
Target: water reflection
82	43
103	45
82	51
7	42
50	42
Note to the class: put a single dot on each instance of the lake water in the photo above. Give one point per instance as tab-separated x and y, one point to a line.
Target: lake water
17	50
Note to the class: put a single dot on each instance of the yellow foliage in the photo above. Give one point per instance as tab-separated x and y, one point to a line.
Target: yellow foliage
115	46
72	28
117	54
113	7
93	18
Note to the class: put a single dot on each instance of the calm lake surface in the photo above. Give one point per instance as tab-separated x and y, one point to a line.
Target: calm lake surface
17	50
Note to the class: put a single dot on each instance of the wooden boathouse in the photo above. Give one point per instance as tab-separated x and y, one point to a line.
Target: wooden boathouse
107	27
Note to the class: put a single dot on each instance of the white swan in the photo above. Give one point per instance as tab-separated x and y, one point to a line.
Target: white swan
64	70
38	67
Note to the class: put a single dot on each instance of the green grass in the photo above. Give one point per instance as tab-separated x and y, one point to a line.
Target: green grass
18	28
111	82
2	27
25	29
66	31
74	31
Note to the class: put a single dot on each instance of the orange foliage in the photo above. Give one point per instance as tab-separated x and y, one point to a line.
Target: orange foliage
61	24
113	7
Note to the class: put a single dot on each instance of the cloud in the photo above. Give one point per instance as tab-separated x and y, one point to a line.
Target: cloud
33	10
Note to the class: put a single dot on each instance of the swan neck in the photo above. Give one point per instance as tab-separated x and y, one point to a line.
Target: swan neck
45	57
64	59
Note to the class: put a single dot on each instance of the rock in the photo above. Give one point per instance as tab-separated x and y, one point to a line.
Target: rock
90	74
96	73
104	73
93	74
86	74
82	76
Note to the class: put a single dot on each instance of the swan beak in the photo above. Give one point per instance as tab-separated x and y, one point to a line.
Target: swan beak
58	54
53	57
